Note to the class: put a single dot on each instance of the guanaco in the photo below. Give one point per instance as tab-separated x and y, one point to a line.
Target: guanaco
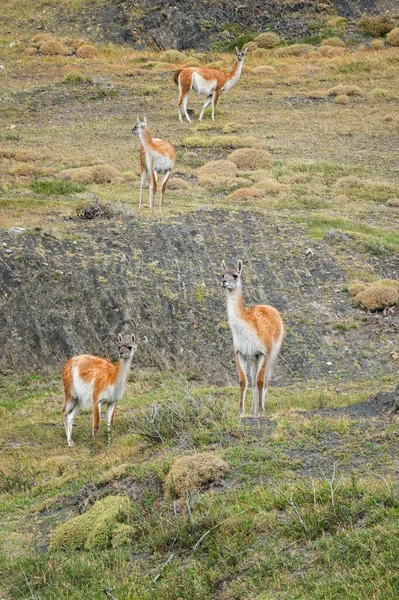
156	156
258	333
206	82
90	381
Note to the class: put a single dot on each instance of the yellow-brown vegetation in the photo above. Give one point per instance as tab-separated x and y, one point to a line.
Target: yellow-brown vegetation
265	70
26	156
6	153
22	170
86	51
333	41
379	93
53	48
329	51
377	44
250	46
378	295
376	26
218	168
245	194
348	90
267	40
393	37
189	474
177	183
260	53
96	174
341	99
251	159
31	51
294	50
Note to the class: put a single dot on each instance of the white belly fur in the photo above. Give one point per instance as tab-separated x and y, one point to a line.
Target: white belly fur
161	163
202	86
245	339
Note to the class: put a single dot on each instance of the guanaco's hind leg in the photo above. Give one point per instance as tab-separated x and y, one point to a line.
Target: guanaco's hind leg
206	104
143	179
183	97
262	382
96	417
215	99
153	188
70	410
164	184
241	364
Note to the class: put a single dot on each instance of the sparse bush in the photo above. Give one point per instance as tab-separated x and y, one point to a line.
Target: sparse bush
23	170
177	183
333	41
317	94
40	38
231	127
337	23
378	296
347	90
187	421
393	37
330	51
77	77
95	528
377	44
270	186
295	50
366	189
293	80
376	26
26	156
341	99
218	168
189	474
7	153
394	202
251	159
53	48
267	40
86	51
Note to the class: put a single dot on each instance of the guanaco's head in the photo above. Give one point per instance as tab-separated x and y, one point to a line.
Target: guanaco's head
140	125
231	278
126	347
240	54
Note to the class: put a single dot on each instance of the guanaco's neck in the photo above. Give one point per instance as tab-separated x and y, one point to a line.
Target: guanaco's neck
145	138
235	304
121	372
235	74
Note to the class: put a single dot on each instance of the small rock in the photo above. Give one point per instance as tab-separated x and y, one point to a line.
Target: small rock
308	251
9	251
5	244
394	355
2	67
329	363
16	230
12	44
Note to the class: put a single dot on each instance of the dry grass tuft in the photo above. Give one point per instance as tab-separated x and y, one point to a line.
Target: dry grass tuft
22	170
270	186
341	99
77	77
267	40
251	159
333	41
98	174
86	51
337	23
251	46
347	90
317	94
379	93
265	70
218	169
295	50
177	183
53	48
377	44
376	26
393	37
30	51
38	39
293	81
355	287
379	295
330	51
172	56
26	156
393	202
7	153
189	474
260	53
245	194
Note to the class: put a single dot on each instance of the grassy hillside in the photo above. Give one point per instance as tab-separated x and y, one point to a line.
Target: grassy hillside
308	507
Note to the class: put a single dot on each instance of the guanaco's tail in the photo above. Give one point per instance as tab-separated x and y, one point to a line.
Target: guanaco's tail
176	76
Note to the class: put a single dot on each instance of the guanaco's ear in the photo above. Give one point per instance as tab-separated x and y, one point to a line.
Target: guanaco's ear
237	50
138	120
120	338
145	120
239	266
133	338
223	266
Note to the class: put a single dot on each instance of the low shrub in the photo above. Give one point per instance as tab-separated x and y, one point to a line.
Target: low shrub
347	90
97	529
26	156
330	51
23	170
378	296
250	46
341	99
245	194
376	26
337	23
379	94
55	187
267	40
377	44
177	183
7	153
189	474
53	48
97	174
30	51
86	51
77	77
355	287
172	56
317	94
265	70
393	37
218	168
251	159
260	53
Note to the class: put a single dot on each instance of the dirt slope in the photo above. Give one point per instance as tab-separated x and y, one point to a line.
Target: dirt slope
160	280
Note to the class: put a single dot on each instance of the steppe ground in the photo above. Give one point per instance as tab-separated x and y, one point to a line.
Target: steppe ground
309	506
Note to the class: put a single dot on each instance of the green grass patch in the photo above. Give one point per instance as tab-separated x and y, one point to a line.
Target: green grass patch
55	187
